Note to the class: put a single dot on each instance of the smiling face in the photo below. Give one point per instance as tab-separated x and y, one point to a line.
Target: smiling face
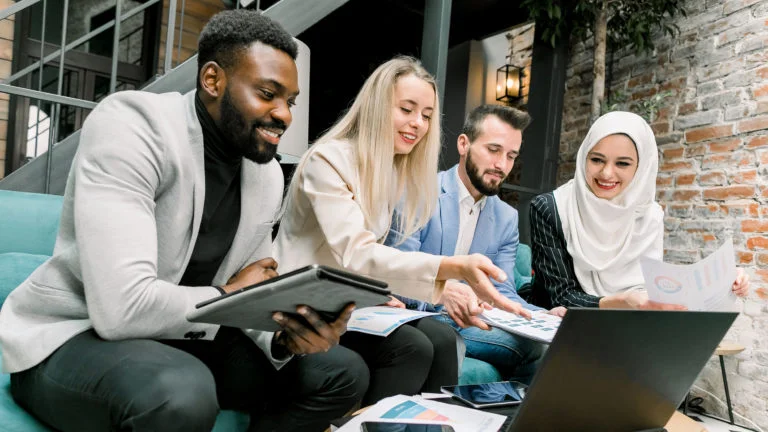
611	166
254	105
414	101
489	159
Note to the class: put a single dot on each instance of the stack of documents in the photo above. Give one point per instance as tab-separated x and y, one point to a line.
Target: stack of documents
414	409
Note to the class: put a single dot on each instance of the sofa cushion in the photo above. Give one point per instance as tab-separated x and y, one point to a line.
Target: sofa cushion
29	222
15	267
523	266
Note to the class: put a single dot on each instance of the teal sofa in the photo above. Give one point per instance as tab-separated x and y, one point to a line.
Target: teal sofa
28	227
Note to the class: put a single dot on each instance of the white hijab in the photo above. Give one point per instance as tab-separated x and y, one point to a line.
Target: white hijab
605	238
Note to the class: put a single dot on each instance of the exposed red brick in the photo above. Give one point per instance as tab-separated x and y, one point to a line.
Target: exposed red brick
684	179
753	124
663	113
713	178
643	94
763	71
761	91
674	84
763	156
757	243
709	132
640	80
696	150
673	153
729	192
661	128
675	166
663	181
686	108
762	259
724	145
685	195
754	225
744	257
746	177
762	274
758	141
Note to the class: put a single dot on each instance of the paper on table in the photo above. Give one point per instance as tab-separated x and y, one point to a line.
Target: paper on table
703	286
382	320
414	409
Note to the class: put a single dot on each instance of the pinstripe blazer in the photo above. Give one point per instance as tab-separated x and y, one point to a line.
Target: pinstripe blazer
554	282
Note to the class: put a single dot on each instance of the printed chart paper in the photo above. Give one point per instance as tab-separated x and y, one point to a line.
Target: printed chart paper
382	320
413	409
541	327
703	286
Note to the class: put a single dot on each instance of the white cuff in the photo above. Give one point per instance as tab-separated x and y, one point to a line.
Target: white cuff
263	339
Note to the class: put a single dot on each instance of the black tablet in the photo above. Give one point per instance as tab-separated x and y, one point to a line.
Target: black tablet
326	290
489	394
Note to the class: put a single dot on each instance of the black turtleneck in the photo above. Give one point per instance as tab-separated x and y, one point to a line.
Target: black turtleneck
221	210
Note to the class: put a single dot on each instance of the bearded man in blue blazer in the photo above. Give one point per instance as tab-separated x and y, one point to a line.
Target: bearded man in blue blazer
470	219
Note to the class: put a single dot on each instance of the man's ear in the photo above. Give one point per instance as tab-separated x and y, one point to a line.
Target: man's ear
462	144
213	79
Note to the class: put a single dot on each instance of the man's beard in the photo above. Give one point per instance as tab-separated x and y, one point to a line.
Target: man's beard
243	137
476	178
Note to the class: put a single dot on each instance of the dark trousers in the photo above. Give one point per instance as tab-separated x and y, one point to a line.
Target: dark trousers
90	384
418	357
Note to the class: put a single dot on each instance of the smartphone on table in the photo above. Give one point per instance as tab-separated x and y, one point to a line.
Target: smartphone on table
487	395
373	426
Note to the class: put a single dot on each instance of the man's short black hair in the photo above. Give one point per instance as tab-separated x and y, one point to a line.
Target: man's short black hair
230	32
516	118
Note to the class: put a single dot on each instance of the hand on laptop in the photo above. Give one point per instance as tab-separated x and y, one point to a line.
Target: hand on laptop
313	336
253	273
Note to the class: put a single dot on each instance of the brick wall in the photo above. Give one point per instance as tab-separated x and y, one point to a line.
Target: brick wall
6	56
713	142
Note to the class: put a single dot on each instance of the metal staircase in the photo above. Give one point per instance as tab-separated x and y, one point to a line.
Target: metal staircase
48	173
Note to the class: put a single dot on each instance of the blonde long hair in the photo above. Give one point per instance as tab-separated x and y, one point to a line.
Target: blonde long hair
368	126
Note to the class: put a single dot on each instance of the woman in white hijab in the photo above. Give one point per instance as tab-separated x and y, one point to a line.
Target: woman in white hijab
588	235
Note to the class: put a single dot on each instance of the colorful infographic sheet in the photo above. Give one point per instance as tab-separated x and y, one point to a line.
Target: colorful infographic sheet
703	286
414	409
382	320
541	327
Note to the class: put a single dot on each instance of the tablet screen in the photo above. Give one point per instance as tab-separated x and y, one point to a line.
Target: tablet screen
497	393
404	427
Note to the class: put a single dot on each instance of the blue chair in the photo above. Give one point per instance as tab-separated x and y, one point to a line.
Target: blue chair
28	227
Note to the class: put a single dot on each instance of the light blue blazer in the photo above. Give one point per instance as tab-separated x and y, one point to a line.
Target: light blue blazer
496	234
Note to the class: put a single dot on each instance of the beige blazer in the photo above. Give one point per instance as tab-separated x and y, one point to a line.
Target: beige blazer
324	224
130	218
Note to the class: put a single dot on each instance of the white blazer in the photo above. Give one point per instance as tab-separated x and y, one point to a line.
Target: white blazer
131	213
324	224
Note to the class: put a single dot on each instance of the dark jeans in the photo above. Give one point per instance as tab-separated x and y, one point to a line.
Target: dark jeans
90	384
418	357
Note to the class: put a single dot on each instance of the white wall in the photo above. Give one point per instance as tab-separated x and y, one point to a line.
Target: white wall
295	141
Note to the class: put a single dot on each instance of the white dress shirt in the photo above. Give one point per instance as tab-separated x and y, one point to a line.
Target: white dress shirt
469	211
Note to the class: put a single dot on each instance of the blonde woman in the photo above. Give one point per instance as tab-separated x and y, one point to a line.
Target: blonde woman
381	154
